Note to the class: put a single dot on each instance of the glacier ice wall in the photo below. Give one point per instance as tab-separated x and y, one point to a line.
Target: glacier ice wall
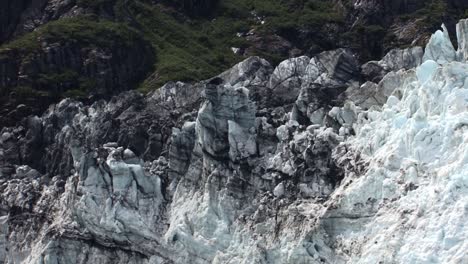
409	206
415	188
403	198
297	164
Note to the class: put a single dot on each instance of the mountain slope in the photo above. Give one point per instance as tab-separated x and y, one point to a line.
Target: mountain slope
298	163
191	41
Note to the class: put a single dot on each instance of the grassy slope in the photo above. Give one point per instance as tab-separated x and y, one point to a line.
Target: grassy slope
198	48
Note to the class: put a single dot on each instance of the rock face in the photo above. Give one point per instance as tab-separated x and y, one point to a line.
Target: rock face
71	65
10	15
19	17
98	64
303	163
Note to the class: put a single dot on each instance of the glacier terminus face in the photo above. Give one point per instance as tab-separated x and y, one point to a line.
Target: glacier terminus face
302	163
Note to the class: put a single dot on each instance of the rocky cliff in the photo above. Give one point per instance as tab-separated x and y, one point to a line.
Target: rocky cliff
78	58
305	162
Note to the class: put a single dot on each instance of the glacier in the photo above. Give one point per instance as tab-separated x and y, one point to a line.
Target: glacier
416	146
295	164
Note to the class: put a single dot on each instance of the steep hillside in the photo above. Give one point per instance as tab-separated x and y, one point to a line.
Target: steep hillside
185	40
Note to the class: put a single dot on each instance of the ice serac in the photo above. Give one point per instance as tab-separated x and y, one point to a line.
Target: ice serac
440	48
302	163
336	68
416	183
395	60
286	79
462	35
385	77
415	188
225	121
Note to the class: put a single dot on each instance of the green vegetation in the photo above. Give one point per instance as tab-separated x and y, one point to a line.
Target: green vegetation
27	92
377	39
435	11
76	93
65	82
187	49
198	45
279	16
93	3
184	51
191	50
82	32
85	30
196	7
432	13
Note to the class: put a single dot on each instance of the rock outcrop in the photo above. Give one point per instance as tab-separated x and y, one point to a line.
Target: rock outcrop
20	17
72	64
